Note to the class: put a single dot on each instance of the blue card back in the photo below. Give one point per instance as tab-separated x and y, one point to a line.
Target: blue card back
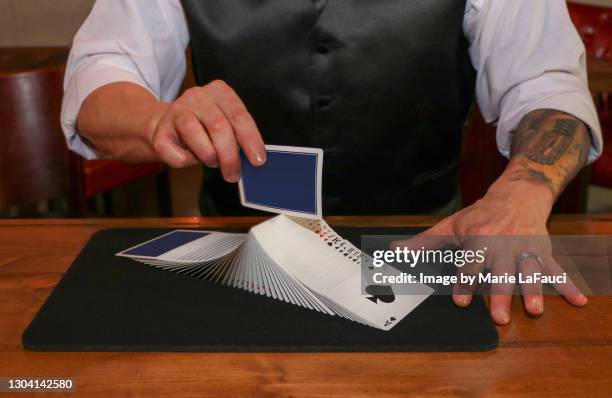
165	243
289	182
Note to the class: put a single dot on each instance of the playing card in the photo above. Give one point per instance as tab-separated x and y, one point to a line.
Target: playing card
185	247
153	248
288	183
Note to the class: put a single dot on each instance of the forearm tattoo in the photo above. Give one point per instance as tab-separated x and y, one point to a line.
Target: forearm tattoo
550	147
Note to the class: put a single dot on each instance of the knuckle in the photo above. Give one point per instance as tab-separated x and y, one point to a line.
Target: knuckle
219	85
230	159
240	116
483	230
217	125
187	123
207	154
191	92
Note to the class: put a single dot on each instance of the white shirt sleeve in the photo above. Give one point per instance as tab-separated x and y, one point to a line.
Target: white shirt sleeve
528	56
141	42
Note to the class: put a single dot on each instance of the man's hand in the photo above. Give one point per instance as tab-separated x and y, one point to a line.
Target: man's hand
549	148
206	124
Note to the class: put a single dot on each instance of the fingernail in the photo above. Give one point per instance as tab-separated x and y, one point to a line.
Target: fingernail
231	178
501	317
260	158
538	304
178	156
582	300
462	299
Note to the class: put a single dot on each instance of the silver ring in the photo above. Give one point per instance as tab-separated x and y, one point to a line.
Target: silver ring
526	254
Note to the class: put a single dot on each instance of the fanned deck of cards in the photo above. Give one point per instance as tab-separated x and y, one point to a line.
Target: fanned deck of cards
295	257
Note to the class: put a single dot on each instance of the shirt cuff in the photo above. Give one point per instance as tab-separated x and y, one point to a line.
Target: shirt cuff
78	87
576	103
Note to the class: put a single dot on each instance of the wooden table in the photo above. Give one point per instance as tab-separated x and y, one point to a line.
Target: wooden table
567	352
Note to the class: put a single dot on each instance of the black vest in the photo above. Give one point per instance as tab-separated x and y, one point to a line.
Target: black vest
383	87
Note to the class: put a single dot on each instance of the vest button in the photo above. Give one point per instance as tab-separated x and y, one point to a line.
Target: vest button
323	103
322	48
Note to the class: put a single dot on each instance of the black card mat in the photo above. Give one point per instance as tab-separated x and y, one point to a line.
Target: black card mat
107	303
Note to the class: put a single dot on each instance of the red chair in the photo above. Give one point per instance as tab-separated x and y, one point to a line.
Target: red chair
602	168
594	24
595	27
35	164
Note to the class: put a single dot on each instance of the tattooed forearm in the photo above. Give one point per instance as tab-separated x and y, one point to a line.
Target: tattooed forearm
549	147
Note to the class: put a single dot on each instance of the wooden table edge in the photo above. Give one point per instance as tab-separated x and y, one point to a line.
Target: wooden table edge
341	221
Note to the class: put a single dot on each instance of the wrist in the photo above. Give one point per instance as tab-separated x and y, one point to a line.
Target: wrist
512	187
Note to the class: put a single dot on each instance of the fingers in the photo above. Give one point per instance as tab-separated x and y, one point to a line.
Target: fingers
222	136
532	292
209	124
501	293
463	292
500	308
245	129
435	237
569	290
195	137
462	300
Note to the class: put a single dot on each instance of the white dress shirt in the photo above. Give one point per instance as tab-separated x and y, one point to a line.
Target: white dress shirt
527	53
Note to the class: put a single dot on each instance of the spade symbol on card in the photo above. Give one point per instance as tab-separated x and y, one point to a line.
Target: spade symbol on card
383	293
390	321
